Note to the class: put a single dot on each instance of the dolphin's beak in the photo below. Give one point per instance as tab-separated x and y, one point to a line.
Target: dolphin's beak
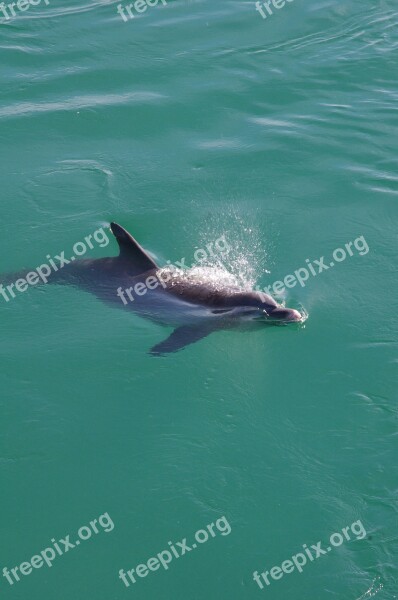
286	315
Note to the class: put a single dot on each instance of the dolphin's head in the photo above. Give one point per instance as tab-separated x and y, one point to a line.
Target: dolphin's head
261	307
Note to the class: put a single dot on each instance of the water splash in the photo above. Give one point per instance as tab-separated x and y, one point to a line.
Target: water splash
217	278
247	258
374	589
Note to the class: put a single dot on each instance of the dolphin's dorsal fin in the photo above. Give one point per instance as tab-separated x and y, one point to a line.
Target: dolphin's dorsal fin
131	251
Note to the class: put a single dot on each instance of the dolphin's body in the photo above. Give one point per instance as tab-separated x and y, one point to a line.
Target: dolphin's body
194	309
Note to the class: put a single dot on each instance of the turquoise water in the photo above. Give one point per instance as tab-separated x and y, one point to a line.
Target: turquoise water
192	121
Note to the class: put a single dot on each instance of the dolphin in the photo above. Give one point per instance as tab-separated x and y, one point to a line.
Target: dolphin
171	297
